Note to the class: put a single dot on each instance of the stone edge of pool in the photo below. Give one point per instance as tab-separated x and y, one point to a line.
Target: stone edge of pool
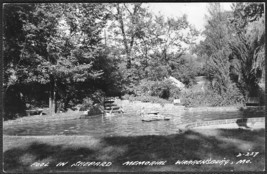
236	123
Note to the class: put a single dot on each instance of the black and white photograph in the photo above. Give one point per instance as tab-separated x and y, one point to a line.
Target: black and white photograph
133	87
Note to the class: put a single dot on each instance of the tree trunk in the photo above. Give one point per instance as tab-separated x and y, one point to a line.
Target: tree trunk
54	102
128	57
50	103
52	96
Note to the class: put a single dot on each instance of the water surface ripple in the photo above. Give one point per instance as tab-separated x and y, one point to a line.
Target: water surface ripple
119	125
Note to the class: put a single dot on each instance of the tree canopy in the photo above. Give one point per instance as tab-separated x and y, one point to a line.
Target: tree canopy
248	45
61	54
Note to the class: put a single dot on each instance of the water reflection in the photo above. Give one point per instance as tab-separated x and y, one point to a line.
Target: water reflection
119	125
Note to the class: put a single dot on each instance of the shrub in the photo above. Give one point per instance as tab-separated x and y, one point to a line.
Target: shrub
175	92
162	89
97	109
144	87
193	98
87	104
232	96
126	97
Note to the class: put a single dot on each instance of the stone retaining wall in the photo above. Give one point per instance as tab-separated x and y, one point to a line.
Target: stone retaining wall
214	109
221	122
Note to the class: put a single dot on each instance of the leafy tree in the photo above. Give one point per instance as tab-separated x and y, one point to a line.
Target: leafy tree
186	69
247	46
168	39
158	53
13	39
130	19
148	43
215	48
60	44
126	27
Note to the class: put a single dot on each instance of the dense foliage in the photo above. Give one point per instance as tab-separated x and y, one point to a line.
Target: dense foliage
248	47
58	48
58	55
193	98
234	49
162	89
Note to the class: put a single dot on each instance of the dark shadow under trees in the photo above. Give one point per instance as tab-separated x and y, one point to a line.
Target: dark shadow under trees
225	144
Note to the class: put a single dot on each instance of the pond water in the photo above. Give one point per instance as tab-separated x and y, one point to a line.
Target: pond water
119	125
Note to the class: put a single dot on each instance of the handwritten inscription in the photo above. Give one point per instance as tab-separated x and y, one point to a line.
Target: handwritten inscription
221	162
241	161
38	164
87	164
207	161
145	163
62	164
212	161
248	154
77	164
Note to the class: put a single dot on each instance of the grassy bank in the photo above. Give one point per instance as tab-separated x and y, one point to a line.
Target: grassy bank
20	152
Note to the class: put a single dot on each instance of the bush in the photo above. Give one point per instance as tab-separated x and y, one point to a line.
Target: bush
94	110
175	92
87	104
193	98
144	87
232	96
126	97
162	89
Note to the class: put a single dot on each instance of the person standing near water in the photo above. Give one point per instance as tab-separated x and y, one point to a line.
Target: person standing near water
142	112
